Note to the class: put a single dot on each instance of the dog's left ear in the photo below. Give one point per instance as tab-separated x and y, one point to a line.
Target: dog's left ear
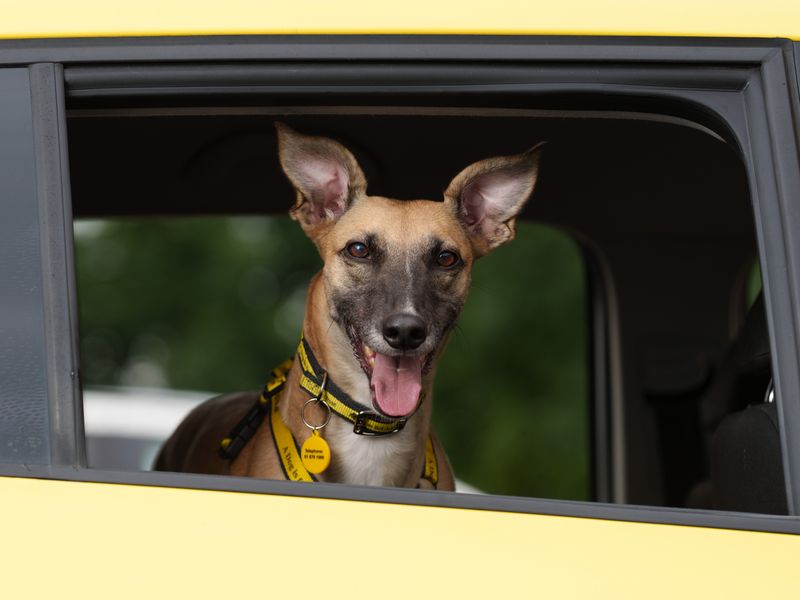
488	195
324	173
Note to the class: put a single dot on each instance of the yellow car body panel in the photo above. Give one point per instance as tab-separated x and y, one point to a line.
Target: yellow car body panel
97	540
89	18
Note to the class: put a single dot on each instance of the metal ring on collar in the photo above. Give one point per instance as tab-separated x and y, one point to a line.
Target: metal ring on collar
319	399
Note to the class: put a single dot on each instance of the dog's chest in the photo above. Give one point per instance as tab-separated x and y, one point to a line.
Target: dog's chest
366	460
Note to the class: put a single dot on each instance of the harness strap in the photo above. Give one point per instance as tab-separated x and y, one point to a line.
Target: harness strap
245	429
431	469
286	447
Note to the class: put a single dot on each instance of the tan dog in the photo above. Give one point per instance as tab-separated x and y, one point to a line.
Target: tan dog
394	280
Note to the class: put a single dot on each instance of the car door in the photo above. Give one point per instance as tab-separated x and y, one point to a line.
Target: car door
76	529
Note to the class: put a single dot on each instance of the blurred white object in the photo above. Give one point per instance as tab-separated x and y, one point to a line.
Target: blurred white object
139	413
126	426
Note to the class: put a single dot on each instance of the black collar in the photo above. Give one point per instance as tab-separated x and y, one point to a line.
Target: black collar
364	420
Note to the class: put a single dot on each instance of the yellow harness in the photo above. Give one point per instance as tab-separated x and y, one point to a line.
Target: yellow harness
365	422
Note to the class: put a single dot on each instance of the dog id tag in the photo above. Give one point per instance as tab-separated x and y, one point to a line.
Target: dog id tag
315	453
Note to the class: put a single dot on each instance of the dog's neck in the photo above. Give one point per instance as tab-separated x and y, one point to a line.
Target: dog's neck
391	460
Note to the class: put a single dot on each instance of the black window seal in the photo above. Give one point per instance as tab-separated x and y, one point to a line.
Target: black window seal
511	504
332	48
759	74
58	283
601	443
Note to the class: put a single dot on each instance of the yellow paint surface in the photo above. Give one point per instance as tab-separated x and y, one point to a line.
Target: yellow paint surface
91	540
78	18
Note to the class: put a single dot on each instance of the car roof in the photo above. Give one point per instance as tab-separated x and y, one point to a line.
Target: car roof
92	18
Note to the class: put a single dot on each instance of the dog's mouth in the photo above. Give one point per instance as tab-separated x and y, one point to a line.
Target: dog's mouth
395	382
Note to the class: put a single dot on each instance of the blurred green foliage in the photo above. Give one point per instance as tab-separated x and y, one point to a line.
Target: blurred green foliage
753	285
214	303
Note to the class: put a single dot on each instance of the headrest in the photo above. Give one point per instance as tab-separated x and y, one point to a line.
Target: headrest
743	376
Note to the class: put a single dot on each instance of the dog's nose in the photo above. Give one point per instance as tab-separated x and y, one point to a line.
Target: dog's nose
404	331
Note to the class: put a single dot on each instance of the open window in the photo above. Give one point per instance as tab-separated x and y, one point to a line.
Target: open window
172	298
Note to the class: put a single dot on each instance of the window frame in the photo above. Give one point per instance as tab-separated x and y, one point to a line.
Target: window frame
749	87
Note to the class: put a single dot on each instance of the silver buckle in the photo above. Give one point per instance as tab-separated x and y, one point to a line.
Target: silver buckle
360	424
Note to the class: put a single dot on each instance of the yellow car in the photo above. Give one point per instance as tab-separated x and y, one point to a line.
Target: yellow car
672	165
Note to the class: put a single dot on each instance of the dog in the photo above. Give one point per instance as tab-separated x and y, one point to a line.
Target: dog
395	277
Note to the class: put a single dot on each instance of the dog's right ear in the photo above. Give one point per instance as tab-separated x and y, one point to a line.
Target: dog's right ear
325	175
488	195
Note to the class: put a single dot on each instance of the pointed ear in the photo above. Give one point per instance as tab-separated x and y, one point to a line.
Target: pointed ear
488	195
324	174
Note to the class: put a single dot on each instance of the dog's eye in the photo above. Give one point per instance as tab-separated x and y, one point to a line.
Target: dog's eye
358	250
447	259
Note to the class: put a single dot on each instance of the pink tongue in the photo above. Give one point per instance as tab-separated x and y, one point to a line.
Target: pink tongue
397	383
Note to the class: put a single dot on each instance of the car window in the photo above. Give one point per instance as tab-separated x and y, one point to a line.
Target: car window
524	396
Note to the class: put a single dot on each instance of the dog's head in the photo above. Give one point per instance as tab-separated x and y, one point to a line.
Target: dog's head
397	272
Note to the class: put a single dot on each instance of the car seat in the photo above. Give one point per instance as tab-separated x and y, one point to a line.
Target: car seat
739	416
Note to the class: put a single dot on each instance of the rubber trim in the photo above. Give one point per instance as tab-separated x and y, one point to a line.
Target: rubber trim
598	363
773	163
433	498
387	47
55	225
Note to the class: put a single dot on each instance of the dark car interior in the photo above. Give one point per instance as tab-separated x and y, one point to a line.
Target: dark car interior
680	404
